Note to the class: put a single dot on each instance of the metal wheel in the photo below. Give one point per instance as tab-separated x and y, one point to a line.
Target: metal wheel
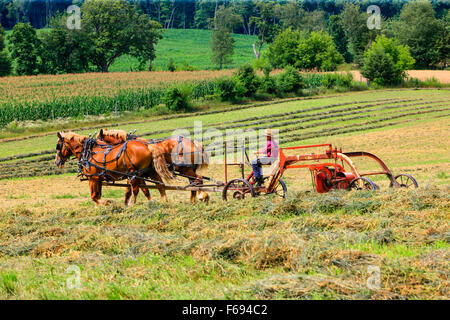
406	181
238	189
281	189
362	183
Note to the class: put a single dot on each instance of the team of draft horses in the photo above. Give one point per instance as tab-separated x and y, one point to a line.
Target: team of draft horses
116	155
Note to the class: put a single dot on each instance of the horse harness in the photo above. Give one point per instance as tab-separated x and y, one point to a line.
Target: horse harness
87	161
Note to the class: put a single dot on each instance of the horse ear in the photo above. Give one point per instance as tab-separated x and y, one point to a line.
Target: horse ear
59	135
101	134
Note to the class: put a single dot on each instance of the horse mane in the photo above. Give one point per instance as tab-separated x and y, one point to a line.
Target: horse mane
78	138
118	134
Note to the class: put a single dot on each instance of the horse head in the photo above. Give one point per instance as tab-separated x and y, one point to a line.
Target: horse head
69	144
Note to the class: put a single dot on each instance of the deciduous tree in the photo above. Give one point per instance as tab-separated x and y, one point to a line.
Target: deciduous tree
222	43
65	50
5	61
266	25
24	46
318	51
354	22
145	37
386	61
419	29
109	24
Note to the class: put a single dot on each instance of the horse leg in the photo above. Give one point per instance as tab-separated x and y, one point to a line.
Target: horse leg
160	187
146	192
193	196
94	195
127	196
96	191
202	195
135	187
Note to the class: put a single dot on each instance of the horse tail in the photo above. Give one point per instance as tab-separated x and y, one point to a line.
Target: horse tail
159	163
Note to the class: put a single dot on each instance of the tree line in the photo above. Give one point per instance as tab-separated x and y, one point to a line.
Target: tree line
191	14
308	41
304	34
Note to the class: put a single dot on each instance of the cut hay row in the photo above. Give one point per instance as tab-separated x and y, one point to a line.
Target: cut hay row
188	115
305	117
273	117
45	167
48	152
287	135
317	117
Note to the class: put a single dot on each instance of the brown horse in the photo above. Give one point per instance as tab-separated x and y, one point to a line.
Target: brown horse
121	161
184	155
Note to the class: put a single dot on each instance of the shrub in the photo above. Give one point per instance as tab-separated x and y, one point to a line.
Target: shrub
247	78
359	86
177	98
186	67
379	68
412	83
290	81
283	51
331	80
226	89
268	85
385	62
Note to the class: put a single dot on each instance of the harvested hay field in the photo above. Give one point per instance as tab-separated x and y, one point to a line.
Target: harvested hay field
55	244
308	247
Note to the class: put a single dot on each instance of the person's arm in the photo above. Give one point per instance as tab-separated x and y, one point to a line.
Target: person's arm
263	151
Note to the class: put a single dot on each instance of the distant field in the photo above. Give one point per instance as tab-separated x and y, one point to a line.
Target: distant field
443	76
43	88
190	47
187	47
309	246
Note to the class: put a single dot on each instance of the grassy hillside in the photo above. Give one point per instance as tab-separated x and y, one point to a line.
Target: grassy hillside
188	47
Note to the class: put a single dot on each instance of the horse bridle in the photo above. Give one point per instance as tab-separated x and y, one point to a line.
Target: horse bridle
60	147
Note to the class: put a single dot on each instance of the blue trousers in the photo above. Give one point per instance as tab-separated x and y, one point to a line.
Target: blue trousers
256	165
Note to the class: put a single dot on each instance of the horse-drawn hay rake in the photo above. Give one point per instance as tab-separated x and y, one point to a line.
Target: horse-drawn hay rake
326	176
337	172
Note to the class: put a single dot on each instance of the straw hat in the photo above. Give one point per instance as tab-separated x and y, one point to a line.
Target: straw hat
268	133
